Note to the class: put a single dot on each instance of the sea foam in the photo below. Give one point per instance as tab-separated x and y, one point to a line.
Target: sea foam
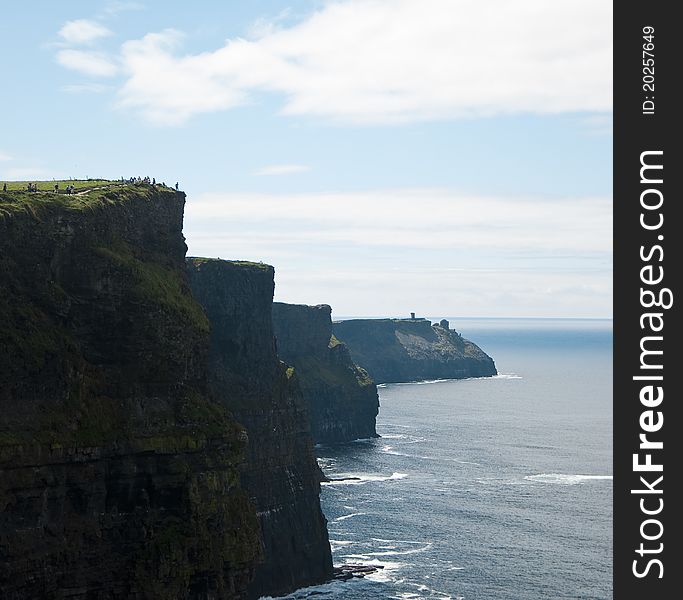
562	479
360	479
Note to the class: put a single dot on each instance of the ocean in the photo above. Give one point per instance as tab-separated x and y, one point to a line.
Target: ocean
484	489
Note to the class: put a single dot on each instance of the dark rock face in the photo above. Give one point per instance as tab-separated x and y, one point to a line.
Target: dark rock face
342	398
280	474
401	350
118	470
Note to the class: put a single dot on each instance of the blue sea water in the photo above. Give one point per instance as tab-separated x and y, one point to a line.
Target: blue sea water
482	489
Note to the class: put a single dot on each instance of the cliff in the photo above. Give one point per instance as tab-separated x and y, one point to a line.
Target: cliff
118	470
341	396
280	473
401	350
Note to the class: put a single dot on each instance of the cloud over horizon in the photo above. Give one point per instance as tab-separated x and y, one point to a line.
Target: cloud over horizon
434	248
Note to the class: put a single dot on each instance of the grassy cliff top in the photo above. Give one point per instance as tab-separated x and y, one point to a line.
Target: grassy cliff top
87	193
49	185
395	320
200	260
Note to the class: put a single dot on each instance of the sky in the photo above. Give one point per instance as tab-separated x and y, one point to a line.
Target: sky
443	157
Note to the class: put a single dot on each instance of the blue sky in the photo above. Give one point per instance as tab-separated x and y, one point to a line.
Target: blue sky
443	156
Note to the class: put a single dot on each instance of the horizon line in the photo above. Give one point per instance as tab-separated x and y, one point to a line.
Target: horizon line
476	318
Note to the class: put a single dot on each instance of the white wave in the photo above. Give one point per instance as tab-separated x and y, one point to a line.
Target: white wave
332	589
384	574
401	552
450	459
404	438
488	377
343	518
396	541
447	380
430	592
501	481
390	450
421	382
337	544
361	479
563	479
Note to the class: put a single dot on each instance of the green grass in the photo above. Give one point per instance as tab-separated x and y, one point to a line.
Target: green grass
48	186
157	283
89	196
363	377
196	260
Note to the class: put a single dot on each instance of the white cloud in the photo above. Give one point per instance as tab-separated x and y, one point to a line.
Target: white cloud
94	64
82	31
437	250
379	61
282	169
4	157
418	218
169	90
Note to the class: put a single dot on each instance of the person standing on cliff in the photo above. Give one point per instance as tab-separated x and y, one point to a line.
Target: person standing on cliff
176	186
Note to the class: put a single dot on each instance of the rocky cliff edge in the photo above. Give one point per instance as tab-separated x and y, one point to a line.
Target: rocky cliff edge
118	469
280	473
341	396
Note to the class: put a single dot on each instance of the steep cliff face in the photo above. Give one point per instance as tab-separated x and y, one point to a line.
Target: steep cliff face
400	350
342	398
280	473
118	471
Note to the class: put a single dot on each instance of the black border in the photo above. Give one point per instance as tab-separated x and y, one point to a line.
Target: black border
635	132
